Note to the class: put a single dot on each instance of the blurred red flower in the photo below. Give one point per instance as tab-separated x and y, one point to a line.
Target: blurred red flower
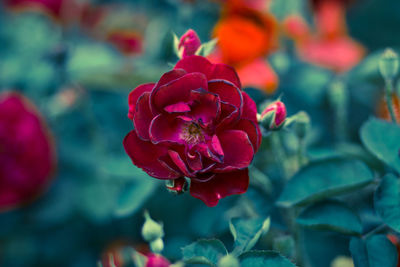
27	156
245	36
195	122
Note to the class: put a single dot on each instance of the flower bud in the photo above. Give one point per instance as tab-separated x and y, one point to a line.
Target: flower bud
228	261
302	124
188	44
177	186
151	230
157	245
389	64
156	260
274	116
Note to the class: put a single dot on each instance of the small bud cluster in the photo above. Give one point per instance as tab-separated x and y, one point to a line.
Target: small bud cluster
153	233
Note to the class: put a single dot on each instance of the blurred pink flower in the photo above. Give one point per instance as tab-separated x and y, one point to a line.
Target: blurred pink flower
156	260
195	122
27	157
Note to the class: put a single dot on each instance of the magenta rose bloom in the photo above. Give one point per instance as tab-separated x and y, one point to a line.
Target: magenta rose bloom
156	260
27	157
195	122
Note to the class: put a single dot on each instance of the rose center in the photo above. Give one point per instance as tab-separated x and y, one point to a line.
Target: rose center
192	133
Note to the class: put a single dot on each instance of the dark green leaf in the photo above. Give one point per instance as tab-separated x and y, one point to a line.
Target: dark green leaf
204	251
331	215
376	251
387	201
262	258
246	232
323	179
382	138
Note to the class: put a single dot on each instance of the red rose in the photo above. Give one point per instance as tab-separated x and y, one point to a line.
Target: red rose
195	122
27	156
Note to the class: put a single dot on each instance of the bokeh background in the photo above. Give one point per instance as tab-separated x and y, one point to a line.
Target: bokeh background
77	61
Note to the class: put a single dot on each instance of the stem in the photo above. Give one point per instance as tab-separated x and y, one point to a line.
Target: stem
280	154
389	100
375	230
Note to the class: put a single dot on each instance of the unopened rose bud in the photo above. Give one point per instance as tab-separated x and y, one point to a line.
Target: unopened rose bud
157	245
188	44
273	116
151	230
228	261
389	64
177	186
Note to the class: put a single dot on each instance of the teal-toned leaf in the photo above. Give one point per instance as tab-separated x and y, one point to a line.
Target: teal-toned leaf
246	232
331	215
262	258
376	251
204	251
324	179
387	201
133	195
382	138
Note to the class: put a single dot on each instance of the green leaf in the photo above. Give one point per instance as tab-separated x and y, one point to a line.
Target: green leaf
382	138
206	48
322	179
263	258
204	251
246	232
331	215
387	201
376	251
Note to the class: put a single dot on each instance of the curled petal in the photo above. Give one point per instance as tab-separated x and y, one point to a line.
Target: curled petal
229	115
194	160
205	106
134	96
220	186
227	92
177	91
138	150
166	128
249	108
170	76
176	158
238	150
212	71
253	132
143	116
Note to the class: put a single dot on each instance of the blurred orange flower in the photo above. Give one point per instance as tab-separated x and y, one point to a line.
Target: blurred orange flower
245	35
329	46
128	42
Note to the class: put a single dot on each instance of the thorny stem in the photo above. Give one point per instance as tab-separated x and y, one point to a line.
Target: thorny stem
389	101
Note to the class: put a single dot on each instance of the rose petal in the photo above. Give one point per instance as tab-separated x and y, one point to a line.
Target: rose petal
205	106
238	150
212	71
177	90
170	76
252	130
229	115
227	92
134	96
216	146
194	160
177	108
220	186
176	158
139	152
249	108
166	128
143	116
